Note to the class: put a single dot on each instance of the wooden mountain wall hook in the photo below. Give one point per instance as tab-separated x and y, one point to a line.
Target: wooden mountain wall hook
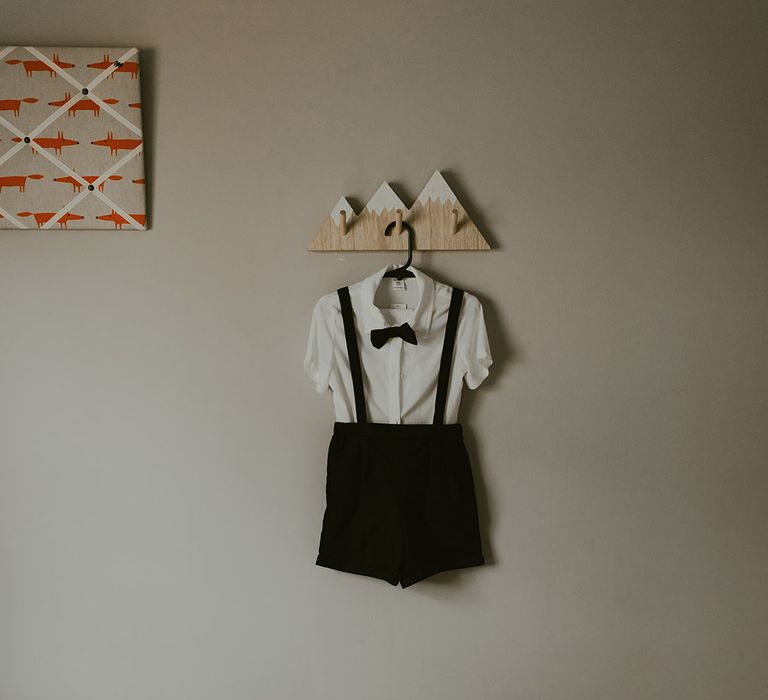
439	220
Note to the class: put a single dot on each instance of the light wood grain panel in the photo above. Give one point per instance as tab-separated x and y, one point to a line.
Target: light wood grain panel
432	221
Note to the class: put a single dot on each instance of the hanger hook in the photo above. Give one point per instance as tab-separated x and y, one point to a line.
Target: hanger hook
411	239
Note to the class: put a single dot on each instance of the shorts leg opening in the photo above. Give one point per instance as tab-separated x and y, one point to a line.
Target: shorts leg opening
420	575
360	569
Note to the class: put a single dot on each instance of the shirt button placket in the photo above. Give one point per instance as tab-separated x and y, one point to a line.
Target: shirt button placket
394	379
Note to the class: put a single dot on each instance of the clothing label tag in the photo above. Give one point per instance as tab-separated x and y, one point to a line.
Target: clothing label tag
398	284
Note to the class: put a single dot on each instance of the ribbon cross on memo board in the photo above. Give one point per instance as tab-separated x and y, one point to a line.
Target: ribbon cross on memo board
439	221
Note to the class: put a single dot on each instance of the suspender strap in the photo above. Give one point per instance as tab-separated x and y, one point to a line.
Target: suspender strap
445	360
353	353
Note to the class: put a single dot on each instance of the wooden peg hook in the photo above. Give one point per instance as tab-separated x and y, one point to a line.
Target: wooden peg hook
343	222
454	221
398	222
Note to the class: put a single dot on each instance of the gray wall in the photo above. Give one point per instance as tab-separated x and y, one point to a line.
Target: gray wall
162	453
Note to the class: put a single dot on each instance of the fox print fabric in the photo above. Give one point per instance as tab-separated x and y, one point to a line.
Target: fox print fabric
71	144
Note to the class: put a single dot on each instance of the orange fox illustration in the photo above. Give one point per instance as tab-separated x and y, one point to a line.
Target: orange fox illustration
41	217
116	145
15	105
84	105
128	67
135	105
77	185
56	143
41	66
118	220
139	181
19	181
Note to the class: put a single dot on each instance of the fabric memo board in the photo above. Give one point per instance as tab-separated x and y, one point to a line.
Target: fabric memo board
71	142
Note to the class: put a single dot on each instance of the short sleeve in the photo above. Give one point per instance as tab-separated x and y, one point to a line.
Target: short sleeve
472	340
319	358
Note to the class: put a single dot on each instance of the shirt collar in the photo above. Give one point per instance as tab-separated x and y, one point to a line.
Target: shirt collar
421	317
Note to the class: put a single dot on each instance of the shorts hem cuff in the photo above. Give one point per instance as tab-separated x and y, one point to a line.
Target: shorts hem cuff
440	568
360	569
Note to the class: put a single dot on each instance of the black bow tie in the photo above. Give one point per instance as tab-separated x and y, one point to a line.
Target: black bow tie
379	336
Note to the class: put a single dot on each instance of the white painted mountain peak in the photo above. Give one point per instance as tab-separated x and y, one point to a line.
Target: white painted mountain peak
342	205
438	190
384	198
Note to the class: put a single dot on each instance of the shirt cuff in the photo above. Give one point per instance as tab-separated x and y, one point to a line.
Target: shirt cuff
476	374
313	372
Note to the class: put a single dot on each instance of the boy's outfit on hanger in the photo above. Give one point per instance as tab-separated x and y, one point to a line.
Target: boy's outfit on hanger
400	497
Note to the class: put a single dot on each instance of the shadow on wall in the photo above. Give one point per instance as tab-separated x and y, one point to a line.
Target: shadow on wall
148	61
505	354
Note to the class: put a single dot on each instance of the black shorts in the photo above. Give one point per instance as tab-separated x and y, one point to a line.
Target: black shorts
400	502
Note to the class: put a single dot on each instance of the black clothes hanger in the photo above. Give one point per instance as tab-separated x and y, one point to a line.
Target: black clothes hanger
402	272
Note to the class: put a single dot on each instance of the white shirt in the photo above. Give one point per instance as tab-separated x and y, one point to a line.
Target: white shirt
400	379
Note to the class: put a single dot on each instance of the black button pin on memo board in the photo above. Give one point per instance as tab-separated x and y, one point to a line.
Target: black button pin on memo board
435	221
